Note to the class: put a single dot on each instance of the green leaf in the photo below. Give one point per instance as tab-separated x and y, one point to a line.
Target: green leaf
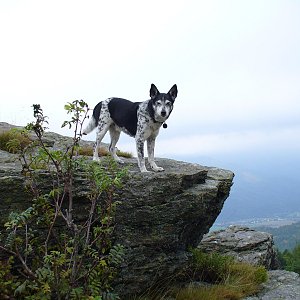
67	107
21	288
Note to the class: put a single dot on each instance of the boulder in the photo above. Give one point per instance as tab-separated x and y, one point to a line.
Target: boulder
244	244
160	216
257	248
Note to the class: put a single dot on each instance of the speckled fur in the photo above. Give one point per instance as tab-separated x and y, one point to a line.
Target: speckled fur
149	116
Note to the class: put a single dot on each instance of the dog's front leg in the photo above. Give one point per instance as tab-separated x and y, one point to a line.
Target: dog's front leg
150	148
140	153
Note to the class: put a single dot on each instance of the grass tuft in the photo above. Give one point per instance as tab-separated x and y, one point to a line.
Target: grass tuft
214	292
225	279
88	151
212	267
231	280
14	140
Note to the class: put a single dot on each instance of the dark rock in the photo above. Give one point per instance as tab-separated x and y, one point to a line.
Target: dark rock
244	244
160	215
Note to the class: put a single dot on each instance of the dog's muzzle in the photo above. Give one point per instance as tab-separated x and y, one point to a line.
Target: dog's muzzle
163	113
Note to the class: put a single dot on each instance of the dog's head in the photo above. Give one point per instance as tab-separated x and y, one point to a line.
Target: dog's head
162	104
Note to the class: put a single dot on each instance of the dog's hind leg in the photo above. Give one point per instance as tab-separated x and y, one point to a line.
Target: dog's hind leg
101	131
114	136
150	148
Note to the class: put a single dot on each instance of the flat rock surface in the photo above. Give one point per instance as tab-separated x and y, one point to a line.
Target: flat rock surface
281	285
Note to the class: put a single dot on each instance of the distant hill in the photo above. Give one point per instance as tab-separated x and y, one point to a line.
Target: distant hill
285	237
266	184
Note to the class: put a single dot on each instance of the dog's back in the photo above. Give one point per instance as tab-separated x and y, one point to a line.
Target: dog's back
124	114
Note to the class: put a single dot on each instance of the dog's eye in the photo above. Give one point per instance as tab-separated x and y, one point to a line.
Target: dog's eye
158	102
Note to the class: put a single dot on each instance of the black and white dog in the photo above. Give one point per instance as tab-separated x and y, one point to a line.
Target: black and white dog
141	120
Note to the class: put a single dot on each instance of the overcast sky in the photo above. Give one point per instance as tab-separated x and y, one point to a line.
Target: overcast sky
236	64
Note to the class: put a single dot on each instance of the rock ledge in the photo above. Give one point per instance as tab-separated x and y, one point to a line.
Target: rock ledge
160	215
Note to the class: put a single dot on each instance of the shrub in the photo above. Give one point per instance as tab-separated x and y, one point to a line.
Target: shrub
56	255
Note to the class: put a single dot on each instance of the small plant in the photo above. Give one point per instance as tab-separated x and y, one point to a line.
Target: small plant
88	151
124	154
14	140
58	256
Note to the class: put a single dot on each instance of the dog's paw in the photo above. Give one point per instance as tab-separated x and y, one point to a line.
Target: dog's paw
96	158
158	169
155	168
119	160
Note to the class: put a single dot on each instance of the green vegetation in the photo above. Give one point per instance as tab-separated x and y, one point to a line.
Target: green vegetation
285	237
51	254
290	259
14	140
88	151
231	279
287	241
213	277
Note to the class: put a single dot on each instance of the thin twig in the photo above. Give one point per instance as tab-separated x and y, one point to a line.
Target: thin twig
19	256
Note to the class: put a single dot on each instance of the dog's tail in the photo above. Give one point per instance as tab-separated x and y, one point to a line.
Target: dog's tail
94	119
90	126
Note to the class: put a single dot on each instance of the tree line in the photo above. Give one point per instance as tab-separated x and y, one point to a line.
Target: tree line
290	259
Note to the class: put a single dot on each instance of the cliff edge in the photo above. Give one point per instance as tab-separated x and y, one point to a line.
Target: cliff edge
160	215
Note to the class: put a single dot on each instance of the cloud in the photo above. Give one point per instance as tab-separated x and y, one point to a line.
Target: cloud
231	142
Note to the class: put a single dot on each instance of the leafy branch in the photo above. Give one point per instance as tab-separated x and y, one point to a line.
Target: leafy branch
62	257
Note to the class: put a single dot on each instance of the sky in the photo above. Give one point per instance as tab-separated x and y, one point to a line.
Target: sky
236	64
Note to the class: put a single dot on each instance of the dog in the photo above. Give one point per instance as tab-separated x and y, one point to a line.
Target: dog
141	120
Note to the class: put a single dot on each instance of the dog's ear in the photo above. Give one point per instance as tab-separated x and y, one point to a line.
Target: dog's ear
153	91
173	92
